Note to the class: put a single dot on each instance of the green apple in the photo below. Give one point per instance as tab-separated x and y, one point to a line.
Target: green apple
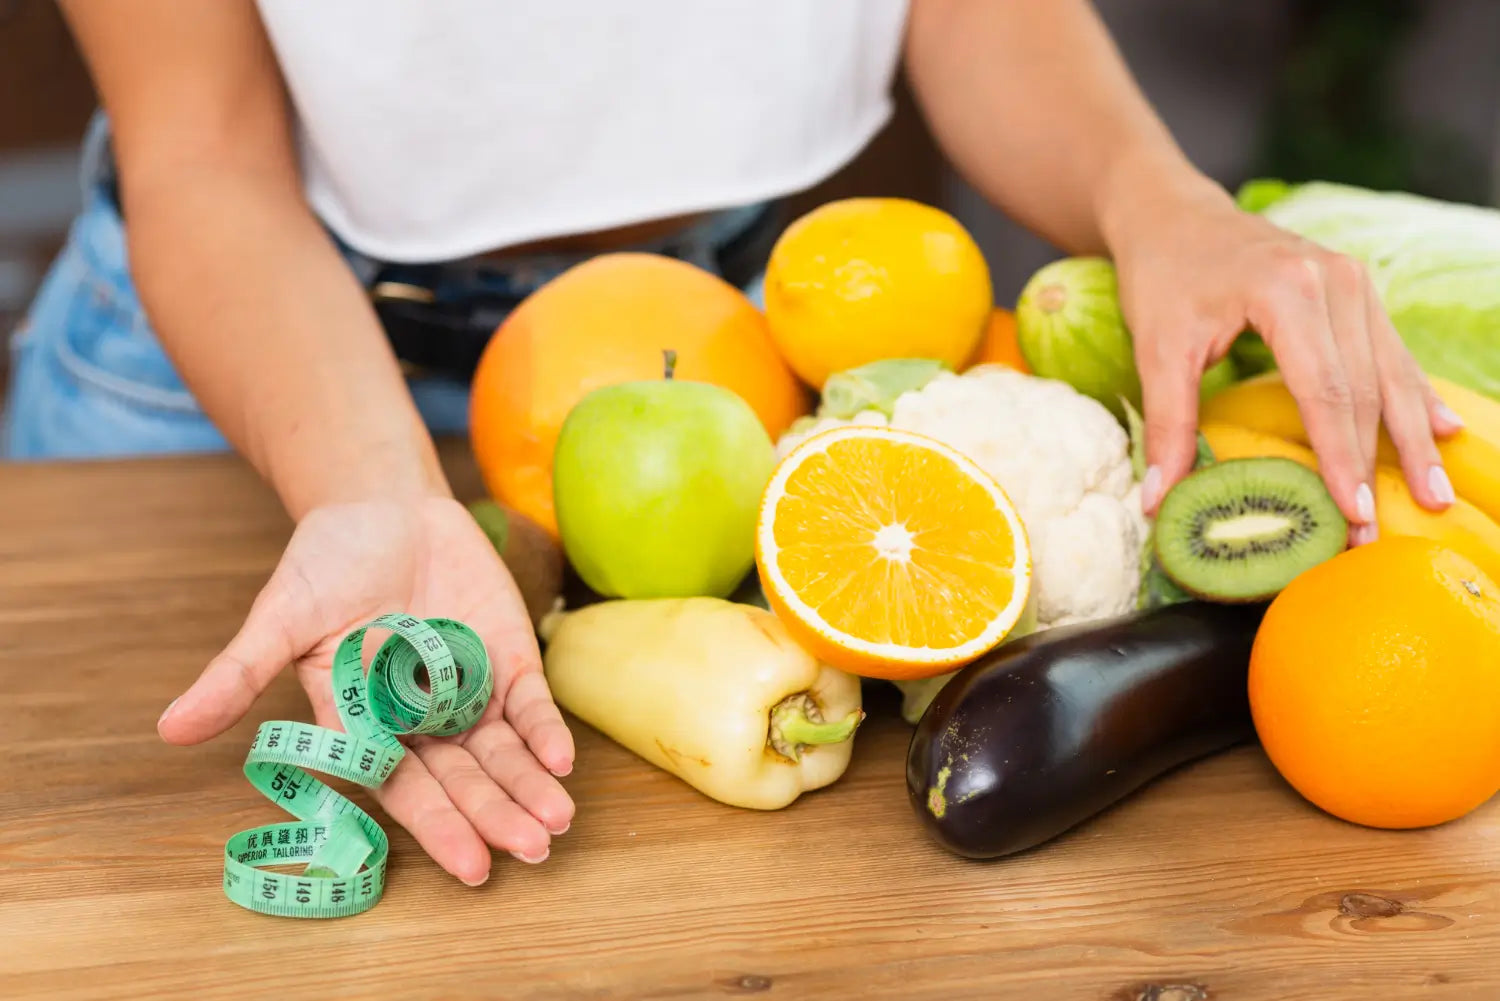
657	487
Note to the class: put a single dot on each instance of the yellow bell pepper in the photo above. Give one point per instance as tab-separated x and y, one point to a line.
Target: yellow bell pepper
714	692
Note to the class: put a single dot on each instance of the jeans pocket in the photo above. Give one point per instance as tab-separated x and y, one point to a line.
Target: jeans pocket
106	343
109	349
93	381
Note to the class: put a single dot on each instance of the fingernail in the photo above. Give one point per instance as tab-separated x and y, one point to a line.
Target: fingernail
166	712
479	882
532	861
562	772
1151	487
1364	503
561	830
1440	485
1362	535
1447	414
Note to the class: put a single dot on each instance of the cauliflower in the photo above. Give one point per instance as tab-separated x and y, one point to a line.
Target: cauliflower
1061	456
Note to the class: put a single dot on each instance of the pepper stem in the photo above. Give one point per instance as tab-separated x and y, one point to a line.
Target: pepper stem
669	363
796	722
798	729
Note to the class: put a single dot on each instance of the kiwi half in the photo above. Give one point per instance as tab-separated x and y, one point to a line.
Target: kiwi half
1241	529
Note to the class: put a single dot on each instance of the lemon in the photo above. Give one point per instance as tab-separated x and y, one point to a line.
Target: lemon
864	279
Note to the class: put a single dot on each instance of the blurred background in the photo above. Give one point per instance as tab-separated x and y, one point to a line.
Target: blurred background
1384	93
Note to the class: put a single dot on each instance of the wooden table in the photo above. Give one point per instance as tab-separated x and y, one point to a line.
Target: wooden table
118	581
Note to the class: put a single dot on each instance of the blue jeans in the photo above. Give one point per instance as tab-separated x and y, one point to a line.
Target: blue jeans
90	380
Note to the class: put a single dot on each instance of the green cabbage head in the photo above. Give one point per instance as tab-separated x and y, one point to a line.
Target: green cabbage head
1435	264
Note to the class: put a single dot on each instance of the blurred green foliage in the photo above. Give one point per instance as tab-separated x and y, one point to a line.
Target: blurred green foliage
1334	115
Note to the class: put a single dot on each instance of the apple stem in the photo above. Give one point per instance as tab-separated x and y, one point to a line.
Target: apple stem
669	358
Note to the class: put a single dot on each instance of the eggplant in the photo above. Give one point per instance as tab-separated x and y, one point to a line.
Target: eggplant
1055	727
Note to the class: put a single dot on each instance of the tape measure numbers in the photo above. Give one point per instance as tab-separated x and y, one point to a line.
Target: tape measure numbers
344	847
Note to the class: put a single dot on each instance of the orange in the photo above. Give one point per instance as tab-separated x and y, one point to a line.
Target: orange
864	279
890	555
1000	346
1375	684
606	321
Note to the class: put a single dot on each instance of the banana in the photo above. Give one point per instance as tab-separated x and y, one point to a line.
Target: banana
1471	457
1463	527
1235	441
1480	412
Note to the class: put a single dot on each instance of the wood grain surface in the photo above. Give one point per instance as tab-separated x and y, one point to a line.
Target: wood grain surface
118	581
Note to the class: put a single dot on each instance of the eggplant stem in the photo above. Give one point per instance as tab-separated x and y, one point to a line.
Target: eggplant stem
796	722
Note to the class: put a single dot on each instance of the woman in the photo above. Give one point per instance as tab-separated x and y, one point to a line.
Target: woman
324	205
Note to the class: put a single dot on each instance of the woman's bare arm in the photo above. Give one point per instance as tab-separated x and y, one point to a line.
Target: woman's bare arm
248	295
1034	104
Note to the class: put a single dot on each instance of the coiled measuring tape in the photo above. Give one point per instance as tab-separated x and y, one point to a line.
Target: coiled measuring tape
345	848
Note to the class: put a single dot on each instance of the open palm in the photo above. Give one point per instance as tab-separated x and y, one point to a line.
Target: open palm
493	785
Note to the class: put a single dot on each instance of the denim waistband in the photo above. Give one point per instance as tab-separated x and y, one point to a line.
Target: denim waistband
699	242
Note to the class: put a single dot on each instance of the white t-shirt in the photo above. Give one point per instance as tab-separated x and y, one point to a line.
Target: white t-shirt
433	129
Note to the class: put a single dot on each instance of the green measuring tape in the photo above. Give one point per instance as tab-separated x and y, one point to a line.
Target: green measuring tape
345	849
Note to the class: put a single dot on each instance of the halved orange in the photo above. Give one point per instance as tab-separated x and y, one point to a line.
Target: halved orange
889	554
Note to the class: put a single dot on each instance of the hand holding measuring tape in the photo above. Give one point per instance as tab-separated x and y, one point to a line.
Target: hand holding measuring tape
490	785
346	850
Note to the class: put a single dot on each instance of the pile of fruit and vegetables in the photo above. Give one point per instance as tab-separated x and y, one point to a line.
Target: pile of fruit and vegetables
884	477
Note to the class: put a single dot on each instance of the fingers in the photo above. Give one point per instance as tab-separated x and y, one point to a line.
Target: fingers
536	718
528	704
1169	401
416	800
488	809
506	759
317	682
1345	288
1411	412
278	630
1445	423
1291	314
